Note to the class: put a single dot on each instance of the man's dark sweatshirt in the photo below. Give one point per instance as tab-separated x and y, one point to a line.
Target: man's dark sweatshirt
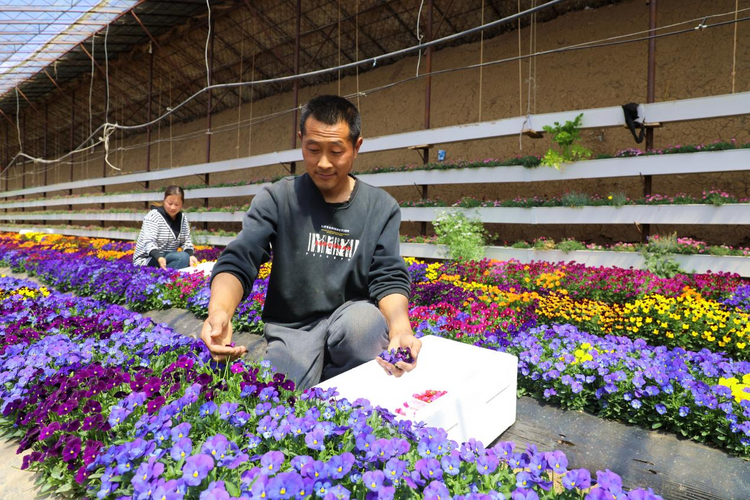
324	254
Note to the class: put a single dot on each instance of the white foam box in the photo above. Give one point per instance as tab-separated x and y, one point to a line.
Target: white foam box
481	388
205	268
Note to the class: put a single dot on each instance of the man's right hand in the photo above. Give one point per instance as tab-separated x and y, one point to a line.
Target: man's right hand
162	263
217	335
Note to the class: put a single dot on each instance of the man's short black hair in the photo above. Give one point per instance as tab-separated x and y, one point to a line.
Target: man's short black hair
332	109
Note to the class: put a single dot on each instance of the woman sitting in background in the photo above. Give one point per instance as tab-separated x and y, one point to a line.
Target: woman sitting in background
165	229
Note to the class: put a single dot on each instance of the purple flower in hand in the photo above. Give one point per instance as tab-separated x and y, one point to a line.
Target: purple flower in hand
399	354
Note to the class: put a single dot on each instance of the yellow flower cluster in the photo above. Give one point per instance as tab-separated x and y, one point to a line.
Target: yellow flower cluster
560	307
433	271
686	320
740	391
690	314
23	292
111	254
264	271
583	353
550	280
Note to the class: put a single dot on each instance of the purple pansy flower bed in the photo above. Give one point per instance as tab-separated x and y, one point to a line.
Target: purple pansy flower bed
120	282
129	409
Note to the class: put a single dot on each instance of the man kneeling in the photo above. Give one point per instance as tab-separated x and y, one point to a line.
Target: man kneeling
338	293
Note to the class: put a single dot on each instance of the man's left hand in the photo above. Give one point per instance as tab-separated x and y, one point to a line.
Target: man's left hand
403	340
193	261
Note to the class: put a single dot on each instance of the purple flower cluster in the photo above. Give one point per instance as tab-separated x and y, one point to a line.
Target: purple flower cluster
399	354
120	282
740	299
627	379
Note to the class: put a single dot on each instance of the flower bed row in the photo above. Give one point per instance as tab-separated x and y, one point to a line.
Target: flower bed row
599	300
712	197
702	395
480	300
123	229
575	199
104	270
525	161
129	409
681	246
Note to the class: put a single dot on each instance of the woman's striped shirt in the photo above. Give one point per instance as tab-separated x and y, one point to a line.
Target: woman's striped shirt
157	235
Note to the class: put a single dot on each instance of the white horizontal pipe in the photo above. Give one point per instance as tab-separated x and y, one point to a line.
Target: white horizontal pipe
730	214
687	163
689	263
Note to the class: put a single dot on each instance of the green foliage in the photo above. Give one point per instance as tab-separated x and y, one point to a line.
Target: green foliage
617	199
721	251
658	254
575	200
521	244
465	237
570	245
566	136
544	243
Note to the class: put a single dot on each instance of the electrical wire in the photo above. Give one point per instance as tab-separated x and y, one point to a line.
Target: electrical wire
374	90
419	37
106	73
108	128
607	42
576	47
208	39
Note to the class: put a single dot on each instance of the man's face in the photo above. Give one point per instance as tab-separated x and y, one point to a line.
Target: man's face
329	155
